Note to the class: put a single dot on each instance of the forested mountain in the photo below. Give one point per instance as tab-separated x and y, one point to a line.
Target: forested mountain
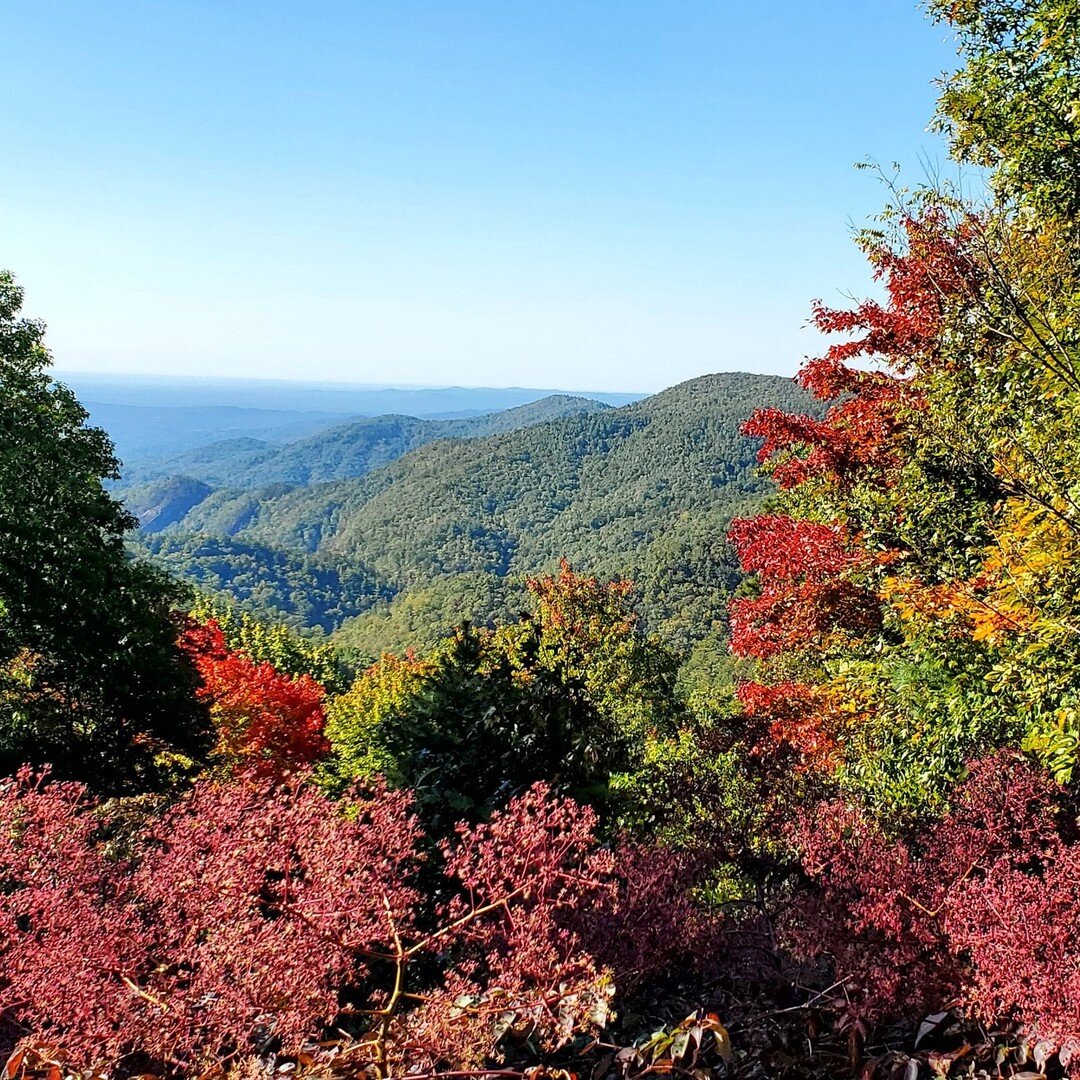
345	450
643	491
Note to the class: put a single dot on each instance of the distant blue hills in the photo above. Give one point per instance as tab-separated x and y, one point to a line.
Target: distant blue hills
154	416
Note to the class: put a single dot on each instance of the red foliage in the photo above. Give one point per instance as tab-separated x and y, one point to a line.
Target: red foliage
860	435
981	908
524	877
258	909
68	936
785	547
1015	916
264	719
935	271
561	924
836	447
264	904
648	920
797	715
806	590
857	438
245	918
867	915
1019	930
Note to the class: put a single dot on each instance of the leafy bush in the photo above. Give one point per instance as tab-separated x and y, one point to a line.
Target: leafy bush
566	695
290	653
257	914
981	906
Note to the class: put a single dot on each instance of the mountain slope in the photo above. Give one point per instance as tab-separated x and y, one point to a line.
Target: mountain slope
580	487
159	505
298	590
644	491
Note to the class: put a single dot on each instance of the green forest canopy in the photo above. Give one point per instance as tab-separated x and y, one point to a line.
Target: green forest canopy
450	530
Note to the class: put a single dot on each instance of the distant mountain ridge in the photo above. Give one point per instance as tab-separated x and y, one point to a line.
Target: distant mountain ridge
141	431
347	450
341	399
644	491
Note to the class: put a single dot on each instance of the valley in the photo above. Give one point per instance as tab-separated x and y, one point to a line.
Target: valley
431	522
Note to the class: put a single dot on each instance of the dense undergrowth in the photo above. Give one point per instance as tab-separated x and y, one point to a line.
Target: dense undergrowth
533	851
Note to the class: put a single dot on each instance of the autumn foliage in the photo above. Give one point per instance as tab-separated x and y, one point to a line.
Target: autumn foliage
254	915
265	720
528	854
808	590
980	908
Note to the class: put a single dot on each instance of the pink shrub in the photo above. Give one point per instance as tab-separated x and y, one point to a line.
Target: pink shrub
259	914
981	908
1015	918
648	924
869	914
518	972
251	909
72	947
265	903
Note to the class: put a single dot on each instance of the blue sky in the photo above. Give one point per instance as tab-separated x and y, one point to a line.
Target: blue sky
590	194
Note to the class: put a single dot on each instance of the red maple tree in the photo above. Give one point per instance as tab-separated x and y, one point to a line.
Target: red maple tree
265	720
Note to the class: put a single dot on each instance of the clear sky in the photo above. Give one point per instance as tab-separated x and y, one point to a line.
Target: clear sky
590	194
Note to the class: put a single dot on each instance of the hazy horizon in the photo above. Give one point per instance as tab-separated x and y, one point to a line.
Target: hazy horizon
89	376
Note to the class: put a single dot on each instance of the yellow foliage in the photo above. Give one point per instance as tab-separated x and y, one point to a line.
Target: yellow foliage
1031	573
1020	589
381	695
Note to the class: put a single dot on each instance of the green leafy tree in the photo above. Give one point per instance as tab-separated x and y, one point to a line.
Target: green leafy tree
95	683
570	693
1013	106
941	619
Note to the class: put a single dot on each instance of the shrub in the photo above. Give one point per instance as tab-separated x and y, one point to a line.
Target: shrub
258	916
980	907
